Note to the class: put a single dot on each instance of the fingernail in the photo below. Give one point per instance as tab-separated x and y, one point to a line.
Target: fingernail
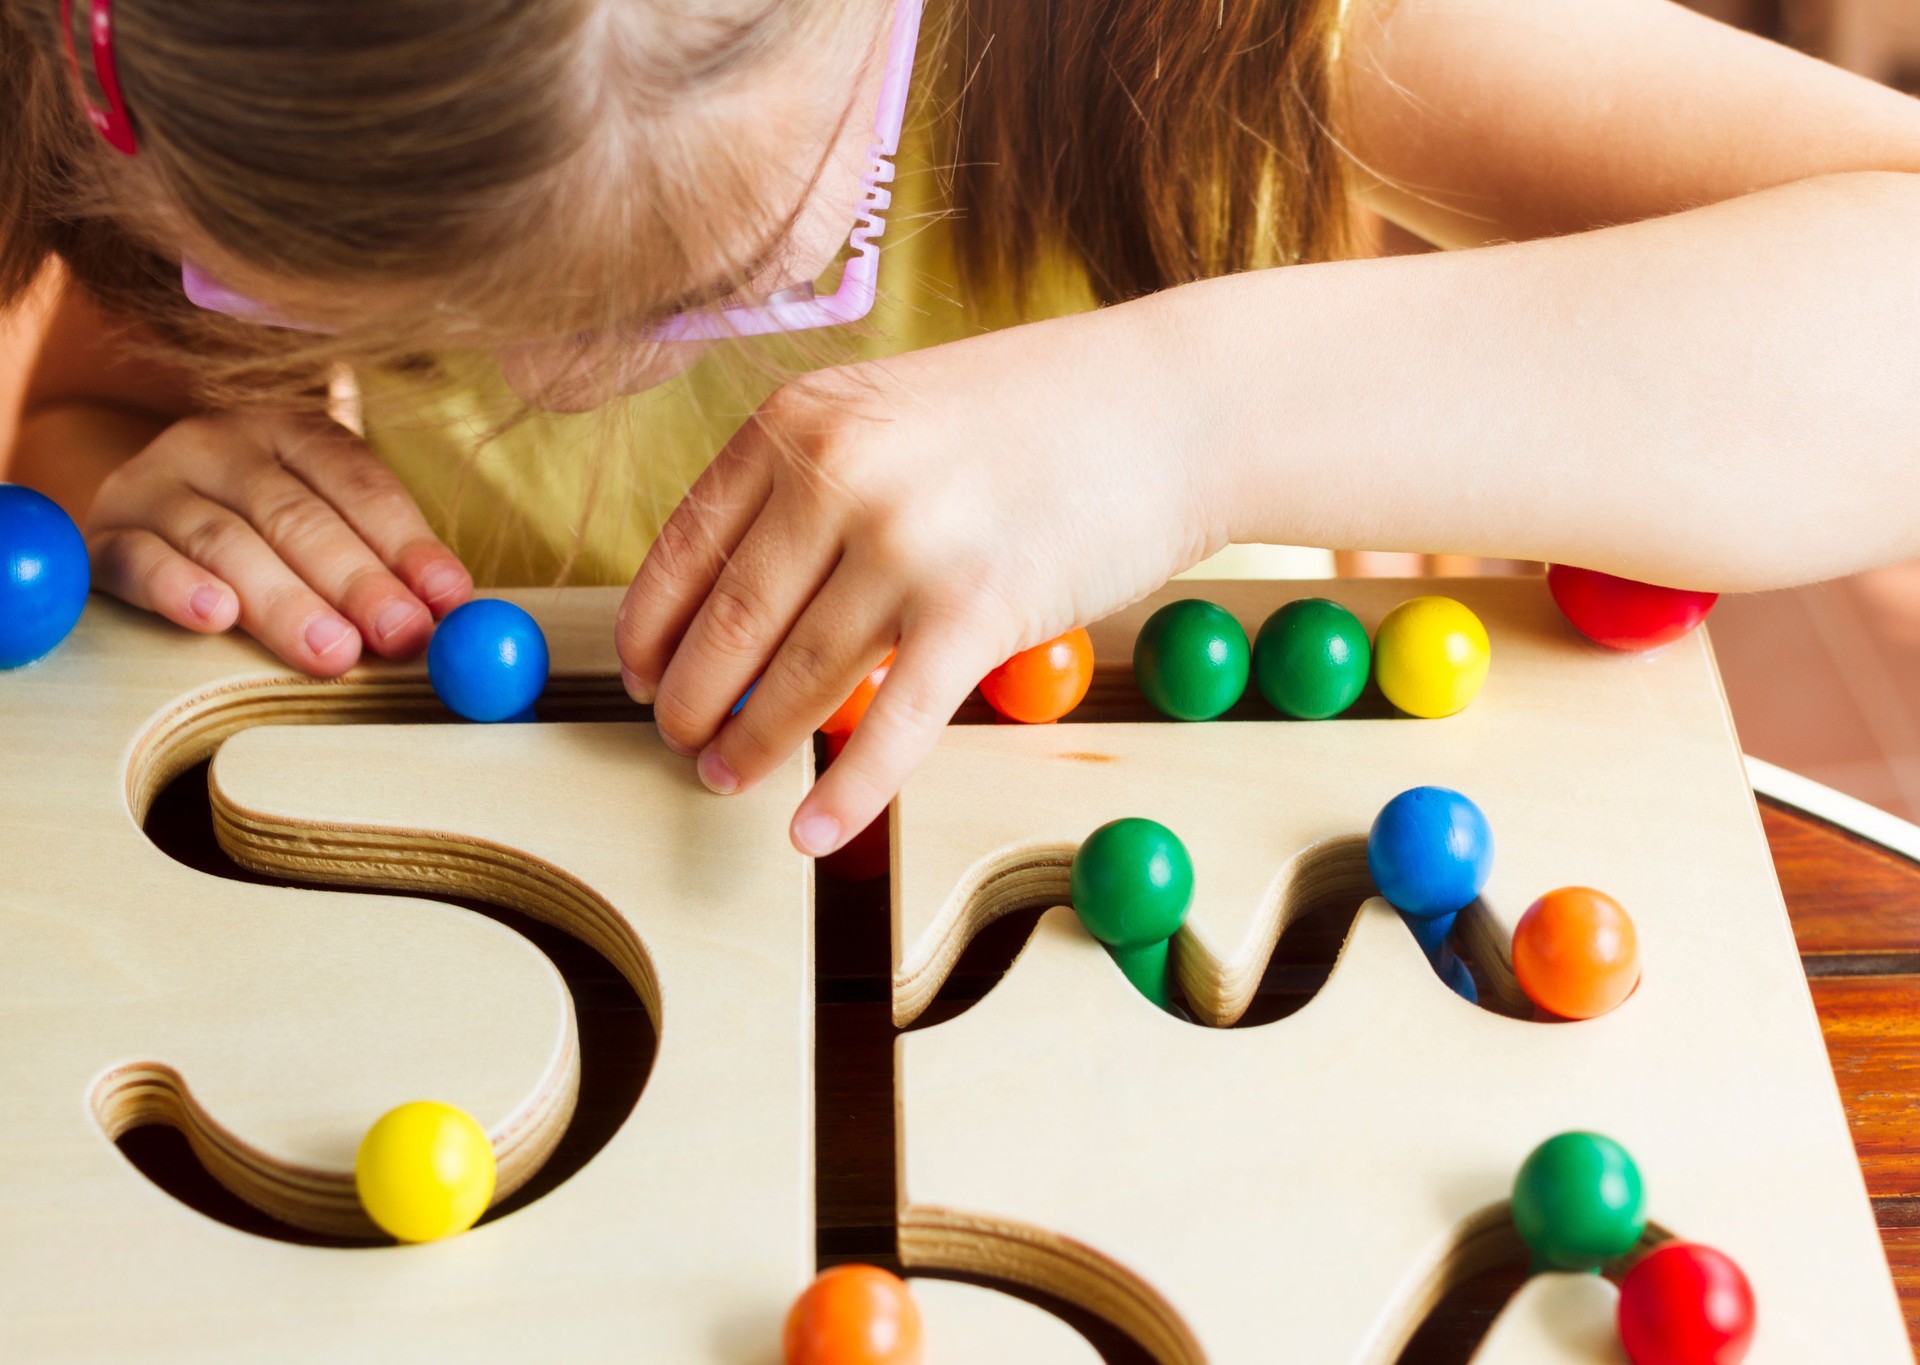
441	581
326	634
205	601
636	689
817	835
716	774
394	618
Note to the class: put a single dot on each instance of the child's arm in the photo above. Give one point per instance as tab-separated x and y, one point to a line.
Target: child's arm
1479	121
1720	397
288	525
1727	397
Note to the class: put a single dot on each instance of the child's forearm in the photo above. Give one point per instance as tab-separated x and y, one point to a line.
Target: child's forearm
1726	398
67	451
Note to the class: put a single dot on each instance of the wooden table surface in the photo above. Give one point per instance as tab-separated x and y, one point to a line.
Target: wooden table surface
1855	910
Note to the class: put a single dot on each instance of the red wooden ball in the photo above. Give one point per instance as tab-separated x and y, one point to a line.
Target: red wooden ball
1686	1304
865	857
1622	614
868	855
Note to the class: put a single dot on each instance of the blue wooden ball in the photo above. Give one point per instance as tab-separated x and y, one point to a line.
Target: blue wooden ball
1430	932
44	578
1430	851
488	660
1453	971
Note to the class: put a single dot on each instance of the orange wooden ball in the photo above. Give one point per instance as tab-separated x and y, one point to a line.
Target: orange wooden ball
1043	683
1575	953
854	708
854	1315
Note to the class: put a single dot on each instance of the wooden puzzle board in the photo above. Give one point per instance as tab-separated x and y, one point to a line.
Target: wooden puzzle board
1318	1181
1557	1317
274	1023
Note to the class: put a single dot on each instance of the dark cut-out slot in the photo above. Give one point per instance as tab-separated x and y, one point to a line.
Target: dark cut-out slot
617	1042
1488	1268
983	962
1301	964
1322	894
1116	698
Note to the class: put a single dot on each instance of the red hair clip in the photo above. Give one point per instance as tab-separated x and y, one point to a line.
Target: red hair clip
113	123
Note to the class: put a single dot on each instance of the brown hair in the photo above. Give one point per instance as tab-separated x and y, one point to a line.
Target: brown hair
423	144
1158	141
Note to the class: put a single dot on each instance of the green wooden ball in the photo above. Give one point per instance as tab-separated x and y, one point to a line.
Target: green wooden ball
1311	659
1578	1202
1132	883
1191	660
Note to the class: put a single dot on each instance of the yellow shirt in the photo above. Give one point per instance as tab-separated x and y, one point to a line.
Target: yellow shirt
559	498
578	498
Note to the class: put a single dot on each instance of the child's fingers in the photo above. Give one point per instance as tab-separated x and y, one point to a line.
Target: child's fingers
308	535
276	607
685	561
340	467
142	570
754	602
847	629
931	677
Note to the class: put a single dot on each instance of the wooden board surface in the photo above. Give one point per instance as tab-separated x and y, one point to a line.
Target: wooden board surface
1557	1317
216	687
694	1225
275	1024
1064	1133
968	1325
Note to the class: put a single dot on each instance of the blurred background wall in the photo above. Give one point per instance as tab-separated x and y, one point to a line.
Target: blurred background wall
1825	680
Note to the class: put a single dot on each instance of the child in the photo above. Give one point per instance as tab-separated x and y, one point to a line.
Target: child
1704	371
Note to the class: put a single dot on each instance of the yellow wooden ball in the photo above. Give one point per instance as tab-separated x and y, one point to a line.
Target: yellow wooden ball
1430	656
425	1171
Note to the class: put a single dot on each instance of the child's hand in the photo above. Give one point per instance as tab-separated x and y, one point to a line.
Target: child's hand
288	525
966	502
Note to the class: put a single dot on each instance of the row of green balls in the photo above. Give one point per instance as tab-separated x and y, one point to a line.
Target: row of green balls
1310	660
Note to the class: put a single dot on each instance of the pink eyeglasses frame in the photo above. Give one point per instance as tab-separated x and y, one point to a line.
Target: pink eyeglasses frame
793	310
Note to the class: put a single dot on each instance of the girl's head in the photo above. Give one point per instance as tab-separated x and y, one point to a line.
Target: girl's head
544	178
512	174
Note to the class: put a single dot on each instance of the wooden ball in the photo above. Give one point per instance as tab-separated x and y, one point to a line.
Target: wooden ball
44	575
1044	683
488	661
1311	659
1430	851
1191	660
1132	883
1578	1202
1623	614
868	855
1686	1304
854	1315
1430	656
1575	953
425	1171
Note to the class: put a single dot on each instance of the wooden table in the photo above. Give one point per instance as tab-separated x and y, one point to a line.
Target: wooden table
1855	909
